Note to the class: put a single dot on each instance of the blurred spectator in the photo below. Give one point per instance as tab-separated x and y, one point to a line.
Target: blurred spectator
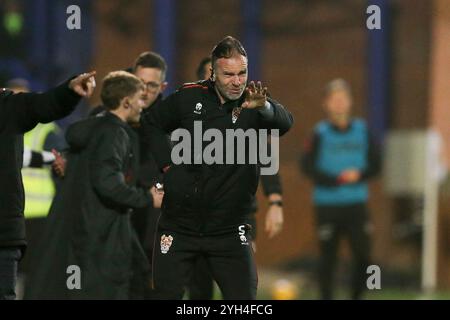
339	159
204	69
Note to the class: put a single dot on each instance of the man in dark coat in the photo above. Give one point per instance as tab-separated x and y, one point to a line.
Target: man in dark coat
201	286
20	113
151	68
206	203
91	248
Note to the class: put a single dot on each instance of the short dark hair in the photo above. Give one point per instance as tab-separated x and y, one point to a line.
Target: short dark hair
226	48
150	59
118	85
201	68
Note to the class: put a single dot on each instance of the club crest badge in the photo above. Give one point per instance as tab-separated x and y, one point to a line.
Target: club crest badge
235	114
166	242
198	108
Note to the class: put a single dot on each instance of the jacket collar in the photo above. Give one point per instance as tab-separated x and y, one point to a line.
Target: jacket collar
115	119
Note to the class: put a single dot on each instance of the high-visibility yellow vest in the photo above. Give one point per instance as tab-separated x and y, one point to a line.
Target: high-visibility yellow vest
37	182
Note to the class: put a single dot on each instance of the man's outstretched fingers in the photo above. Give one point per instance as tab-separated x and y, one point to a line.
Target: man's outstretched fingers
259	86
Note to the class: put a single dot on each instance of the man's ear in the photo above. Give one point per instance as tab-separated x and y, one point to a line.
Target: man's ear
125	103
164	86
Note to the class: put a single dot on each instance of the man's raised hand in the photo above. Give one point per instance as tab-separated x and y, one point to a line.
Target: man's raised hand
255	96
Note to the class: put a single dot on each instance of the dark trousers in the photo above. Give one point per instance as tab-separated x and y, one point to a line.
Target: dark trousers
229	258
201	285
9	259
35	229
335	222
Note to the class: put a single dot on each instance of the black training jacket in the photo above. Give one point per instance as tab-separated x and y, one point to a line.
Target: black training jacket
206	198
20	113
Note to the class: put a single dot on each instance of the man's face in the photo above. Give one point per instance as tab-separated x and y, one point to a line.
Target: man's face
231	76
338	104
153	81
136	103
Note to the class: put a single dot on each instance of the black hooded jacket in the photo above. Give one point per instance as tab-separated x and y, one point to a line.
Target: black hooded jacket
149	173
89	221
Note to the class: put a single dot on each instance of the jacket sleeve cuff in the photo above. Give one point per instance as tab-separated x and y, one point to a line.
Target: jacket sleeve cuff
267	111
66	95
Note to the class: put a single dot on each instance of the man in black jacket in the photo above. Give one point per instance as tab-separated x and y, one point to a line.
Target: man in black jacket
89	223
201	285
19	114
205	205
